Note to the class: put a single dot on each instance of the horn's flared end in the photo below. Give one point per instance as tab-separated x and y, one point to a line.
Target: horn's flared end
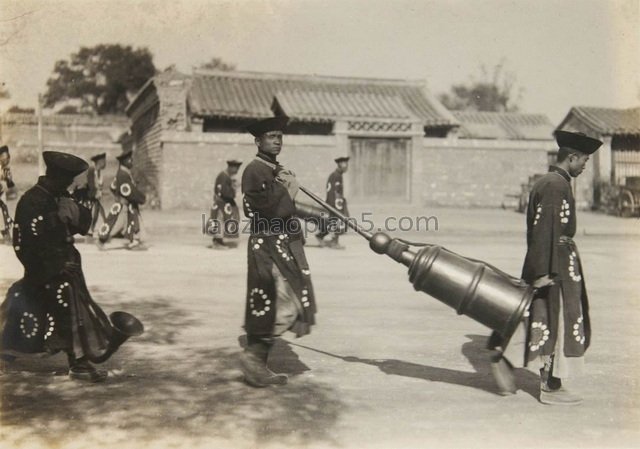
127	324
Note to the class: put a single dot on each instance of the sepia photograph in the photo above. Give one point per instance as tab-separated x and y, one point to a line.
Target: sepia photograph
319	224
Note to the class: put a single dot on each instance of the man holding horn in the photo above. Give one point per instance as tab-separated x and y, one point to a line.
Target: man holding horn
279	290
50	309
557	332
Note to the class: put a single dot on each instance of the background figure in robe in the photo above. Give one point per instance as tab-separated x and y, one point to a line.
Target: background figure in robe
279	290
224	211
6	185
335	197
124	214
94	186
557	331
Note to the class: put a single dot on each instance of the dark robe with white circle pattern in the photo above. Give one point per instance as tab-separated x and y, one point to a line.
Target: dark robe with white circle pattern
273	240
126	208
551	225
224	209
42	311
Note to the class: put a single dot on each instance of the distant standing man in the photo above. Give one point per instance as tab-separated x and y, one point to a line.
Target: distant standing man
224	210
124	214
6	183
279	290
335	197
558	329
94	185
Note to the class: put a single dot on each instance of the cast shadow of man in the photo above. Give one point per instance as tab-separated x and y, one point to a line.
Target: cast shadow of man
474	350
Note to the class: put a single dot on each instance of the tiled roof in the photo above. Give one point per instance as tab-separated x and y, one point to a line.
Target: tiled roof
328	106
608	121
251	94
504	125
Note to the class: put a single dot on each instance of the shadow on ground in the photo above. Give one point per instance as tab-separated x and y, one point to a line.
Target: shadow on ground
159	388
474	350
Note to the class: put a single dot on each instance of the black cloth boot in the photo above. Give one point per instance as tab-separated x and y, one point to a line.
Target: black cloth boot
81	369
253	362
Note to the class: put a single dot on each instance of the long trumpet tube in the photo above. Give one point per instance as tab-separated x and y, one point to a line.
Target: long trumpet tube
351	223
471	287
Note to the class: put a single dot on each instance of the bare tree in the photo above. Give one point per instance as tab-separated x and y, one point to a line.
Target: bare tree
496	90
217	64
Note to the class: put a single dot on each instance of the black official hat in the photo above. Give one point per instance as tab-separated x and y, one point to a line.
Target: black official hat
270	124
4	149
234	162
63	163
341	159
124	155
577	141
97	157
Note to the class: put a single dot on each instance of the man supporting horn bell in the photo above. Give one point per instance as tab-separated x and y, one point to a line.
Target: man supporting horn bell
557	332
50	309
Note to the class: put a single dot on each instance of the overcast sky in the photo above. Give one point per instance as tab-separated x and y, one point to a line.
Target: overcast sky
563	52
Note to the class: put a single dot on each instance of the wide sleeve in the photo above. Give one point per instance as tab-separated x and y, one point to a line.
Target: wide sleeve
265	196
37	238
83	224
545	225
226	190
127	189
91	182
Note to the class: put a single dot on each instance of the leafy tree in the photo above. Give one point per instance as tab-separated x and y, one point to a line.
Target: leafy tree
101	77
218	64
495	91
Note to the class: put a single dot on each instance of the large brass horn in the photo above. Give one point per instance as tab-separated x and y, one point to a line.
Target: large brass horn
115	330
123	326
472	287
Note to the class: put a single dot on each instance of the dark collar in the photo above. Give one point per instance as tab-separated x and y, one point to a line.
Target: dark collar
45	184
561	171
267	157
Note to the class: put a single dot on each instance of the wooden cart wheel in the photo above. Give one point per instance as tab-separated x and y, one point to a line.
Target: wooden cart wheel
626	203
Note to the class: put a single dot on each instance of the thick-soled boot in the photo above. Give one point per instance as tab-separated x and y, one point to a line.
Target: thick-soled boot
253	362
81	369
553	393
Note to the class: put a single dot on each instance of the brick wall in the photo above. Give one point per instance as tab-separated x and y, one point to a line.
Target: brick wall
79	135
445	172
474	173
147	156
191	162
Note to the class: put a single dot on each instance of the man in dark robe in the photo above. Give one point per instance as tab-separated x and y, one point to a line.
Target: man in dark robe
557	330
224	211
50	308
124	214
6	185
279	290
335	198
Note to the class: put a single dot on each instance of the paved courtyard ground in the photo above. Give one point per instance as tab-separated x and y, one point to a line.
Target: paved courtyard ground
385	367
